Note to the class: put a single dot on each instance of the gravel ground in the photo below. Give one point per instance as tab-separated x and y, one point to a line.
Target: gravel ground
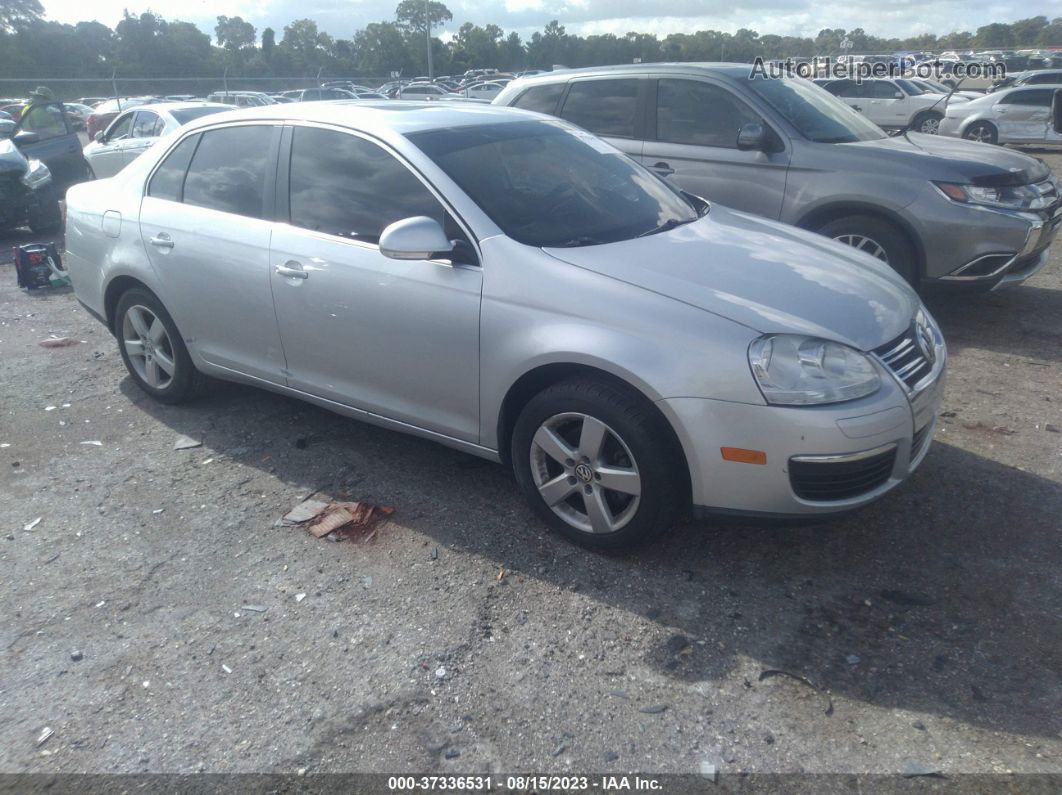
154	618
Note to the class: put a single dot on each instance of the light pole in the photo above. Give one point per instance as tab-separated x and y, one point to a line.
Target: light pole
427	35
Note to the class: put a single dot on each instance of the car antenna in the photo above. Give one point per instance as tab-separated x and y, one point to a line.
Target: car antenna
943	99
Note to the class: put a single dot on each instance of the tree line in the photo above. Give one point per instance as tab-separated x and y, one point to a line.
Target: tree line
145	45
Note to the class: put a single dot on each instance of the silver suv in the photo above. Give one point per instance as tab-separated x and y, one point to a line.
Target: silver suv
937	210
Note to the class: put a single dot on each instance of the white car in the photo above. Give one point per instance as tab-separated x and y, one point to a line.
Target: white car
894	103
1012	116
425	91
486	91
132	132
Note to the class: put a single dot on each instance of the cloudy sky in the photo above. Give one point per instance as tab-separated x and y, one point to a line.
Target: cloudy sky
786	17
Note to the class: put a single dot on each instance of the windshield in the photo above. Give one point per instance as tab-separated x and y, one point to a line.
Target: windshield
190	114
816	113
545	183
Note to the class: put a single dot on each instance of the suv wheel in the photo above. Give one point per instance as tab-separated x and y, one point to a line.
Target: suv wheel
876	237
927	122
983	131
152	348
594	462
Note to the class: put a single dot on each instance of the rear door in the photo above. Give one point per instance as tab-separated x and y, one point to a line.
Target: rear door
692	141
611	108
204	225
57	145
1024	115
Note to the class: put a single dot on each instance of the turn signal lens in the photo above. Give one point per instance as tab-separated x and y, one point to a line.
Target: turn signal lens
743	456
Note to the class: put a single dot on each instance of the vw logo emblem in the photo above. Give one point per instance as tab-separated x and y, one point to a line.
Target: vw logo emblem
584	473
924	338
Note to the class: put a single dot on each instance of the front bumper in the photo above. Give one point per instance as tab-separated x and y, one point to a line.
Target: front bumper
967	244
821	460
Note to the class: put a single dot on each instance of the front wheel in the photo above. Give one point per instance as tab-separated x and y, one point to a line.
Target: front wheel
876	237
928	123
152	348
983	132
596	464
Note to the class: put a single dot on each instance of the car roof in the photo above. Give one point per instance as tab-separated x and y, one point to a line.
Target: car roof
378	117
170	107
718	68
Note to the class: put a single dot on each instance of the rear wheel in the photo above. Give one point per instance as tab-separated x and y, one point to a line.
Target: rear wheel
982	131
595	463
152	348
876	237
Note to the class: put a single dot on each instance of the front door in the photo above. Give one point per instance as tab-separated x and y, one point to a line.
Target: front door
396	338
107	155
694	144
207	236
57	144
1024	115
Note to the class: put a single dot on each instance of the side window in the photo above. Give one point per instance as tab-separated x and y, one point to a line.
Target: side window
45	120
144	124
605	107
884	89
121	128
160	127
346	186
543	99
853	90
168	180
691	112
1037	98
228	172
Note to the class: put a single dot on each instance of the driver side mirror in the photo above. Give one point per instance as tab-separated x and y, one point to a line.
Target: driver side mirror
418	237
752	136
98	137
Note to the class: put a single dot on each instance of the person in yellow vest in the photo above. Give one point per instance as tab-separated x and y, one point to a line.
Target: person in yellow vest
41	114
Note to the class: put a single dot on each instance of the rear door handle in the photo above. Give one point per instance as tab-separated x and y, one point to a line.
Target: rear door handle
663	169
294	273
161	241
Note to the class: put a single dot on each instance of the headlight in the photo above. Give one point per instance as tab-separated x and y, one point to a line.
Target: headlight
1013	197
802	371
37	175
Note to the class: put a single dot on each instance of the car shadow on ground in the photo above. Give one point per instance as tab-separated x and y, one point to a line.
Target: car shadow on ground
947	591
1023	322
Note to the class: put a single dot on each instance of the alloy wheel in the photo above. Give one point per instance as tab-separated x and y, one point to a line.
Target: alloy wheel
148	346
930	126
865	244
980	133
585	473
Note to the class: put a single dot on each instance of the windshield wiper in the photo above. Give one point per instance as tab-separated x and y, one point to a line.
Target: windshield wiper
669	224
581	240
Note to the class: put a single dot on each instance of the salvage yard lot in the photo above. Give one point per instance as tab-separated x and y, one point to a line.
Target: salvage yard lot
464	638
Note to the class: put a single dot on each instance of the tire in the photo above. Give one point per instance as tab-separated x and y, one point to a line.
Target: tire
927	122
137	313
876	237
982	131
635	452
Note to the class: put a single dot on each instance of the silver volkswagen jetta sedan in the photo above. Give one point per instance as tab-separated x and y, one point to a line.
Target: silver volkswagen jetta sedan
512	286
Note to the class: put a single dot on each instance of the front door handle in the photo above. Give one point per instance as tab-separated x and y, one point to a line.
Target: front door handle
663	169
294	273
161	241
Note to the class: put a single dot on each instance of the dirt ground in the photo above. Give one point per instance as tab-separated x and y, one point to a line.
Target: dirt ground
157	618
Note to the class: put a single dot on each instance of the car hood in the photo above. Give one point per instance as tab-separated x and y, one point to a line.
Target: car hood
12	161
947	159
769	277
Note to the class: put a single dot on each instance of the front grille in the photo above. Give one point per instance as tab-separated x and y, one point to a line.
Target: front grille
824	480
918	440
903	356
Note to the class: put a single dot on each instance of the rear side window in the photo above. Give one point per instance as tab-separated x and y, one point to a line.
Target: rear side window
168	179
1037	97
144	126
228	171
605	107
691	112
346	186
541	98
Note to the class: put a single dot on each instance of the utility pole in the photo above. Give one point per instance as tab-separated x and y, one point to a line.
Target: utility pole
427	33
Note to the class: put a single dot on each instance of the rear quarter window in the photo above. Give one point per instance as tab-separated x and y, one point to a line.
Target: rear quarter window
542	99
